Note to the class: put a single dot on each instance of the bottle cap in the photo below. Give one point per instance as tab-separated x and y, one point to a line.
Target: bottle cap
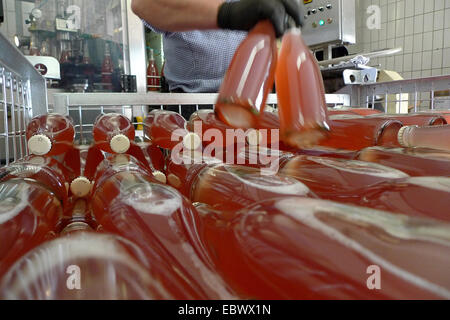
120	143
39	144
254	137
81	187
192	141
401	138
161	177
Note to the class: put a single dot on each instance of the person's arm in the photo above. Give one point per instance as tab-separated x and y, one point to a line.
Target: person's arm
178	15
183	15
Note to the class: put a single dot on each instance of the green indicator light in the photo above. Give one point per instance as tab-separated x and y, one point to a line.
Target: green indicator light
322	22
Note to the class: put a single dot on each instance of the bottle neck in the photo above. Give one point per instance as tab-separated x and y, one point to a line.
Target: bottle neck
434	137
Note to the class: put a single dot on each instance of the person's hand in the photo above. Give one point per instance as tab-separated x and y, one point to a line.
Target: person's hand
244	14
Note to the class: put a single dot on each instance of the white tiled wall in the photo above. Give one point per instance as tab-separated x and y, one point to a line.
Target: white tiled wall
421	27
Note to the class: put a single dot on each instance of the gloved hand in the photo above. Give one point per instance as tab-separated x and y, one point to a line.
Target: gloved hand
244	14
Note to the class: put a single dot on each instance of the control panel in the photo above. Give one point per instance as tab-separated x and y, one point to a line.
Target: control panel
329	22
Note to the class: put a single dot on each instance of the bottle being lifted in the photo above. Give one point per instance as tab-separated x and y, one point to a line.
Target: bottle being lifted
50	134
113	132
249	78
301	94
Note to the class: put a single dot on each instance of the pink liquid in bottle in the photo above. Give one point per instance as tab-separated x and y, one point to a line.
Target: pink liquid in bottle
356	133
301	94
51	134
302	248
206	124
337	179
45	171
83	265
163	223
113	132
107	69
151	157
414	161
232	186
167	129
249	78
29	212
426	197
153	80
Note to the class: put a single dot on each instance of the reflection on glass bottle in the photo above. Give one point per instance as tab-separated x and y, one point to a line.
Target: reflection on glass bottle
153	81
107	69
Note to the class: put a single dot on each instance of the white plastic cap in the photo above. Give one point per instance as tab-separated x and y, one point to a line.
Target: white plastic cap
81	187
39	144
254	137
161	177
191	141
120	143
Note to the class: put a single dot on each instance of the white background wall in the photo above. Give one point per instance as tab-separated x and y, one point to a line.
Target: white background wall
421	27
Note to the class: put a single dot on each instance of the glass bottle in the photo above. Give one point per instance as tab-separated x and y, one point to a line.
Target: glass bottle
249	78
425	197
163	223
85	160
415	119
303	248
167	129
83	265
50	134
29	212
433	137
107	69
337	179
414	161
45	171
231	186
153	80
301	94
113	132
151	157
352	133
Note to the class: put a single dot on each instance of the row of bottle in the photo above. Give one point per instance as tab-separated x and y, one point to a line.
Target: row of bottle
151	243
209	182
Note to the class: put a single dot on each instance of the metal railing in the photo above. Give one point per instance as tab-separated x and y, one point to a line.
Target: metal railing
23	94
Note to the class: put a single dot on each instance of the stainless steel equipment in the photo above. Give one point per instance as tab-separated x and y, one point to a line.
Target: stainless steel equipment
329	22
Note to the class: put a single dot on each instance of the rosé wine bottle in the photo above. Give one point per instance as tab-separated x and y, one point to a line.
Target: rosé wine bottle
414	161
301	93
163	223
83	265
167	129
113	133
303	248
29	213
51	134
249	78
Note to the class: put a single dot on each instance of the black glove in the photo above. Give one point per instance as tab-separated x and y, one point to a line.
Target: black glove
244	14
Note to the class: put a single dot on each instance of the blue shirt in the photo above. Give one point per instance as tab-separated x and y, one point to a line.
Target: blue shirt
196	61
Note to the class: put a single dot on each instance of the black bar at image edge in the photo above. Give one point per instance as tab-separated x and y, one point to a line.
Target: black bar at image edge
194	310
